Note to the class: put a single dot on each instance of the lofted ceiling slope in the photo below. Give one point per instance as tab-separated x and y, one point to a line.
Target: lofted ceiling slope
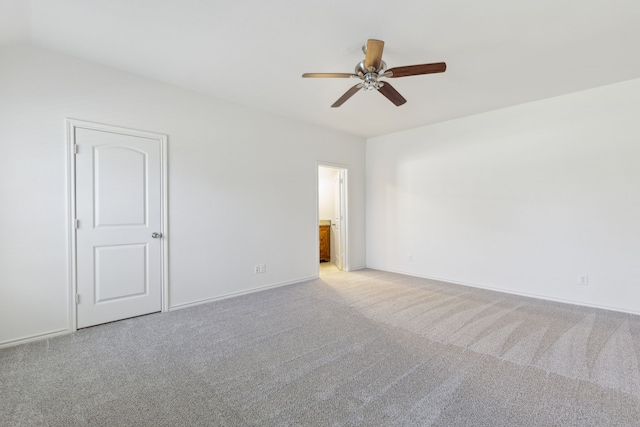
499	53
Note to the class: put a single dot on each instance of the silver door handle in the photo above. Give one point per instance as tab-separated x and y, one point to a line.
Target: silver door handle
156	235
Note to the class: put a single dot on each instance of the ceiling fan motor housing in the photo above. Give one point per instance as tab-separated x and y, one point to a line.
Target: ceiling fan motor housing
361	69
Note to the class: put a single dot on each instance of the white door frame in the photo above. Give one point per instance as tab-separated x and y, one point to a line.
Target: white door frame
345	229
72	125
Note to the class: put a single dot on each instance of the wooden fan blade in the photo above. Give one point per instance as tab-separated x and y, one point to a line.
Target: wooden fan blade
414	70
330	75
348	94
373	57
392	94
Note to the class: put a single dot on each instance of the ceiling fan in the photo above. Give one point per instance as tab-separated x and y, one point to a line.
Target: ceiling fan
373	68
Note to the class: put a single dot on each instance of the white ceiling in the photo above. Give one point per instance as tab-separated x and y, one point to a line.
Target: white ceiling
499	53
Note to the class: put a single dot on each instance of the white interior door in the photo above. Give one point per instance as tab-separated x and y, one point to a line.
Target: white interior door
343	217
338	219
119	208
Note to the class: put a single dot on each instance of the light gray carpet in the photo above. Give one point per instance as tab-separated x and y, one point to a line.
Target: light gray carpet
363	348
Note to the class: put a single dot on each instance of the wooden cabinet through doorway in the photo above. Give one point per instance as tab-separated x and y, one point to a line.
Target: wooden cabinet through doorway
325	243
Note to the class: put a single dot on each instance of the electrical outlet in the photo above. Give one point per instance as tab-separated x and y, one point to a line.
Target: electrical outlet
256	269
584	280
410	257
263	268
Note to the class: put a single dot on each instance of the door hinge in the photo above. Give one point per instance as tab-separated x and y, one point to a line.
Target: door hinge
75	149
76	223
77	298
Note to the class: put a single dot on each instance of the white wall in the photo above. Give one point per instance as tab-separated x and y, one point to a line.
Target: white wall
326	196
526	199
242	185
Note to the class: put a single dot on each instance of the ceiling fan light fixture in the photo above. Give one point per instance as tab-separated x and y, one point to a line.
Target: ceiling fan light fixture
371	82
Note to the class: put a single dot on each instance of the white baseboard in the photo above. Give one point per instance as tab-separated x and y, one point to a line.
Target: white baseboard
37	337
508	291
237	294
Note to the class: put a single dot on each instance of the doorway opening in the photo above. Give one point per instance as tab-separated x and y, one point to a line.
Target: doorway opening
332	219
